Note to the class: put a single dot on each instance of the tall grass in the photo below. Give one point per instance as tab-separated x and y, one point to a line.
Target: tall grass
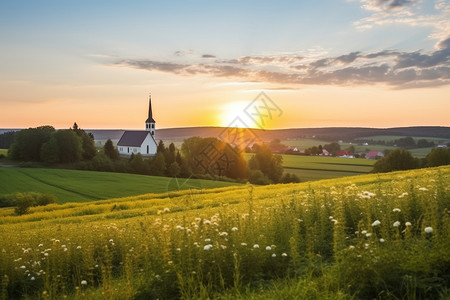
376	236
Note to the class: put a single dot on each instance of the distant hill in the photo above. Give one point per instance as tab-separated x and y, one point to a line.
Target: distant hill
326	134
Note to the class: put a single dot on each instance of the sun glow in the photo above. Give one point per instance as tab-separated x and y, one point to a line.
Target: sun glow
232	114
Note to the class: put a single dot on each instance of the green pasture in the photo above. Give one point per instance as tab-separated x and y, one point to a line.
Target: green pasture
389	138
82	186
4	151
325	167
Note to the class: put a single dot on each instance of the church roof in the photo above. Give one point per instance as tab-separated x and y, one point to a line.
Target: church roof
133	138
150	113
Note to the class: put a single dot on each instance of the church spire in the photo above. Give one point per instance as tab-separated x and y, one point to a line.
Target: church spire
150	122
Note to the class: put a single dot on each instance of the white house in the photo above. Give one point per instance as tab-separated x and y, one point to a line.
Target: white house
140	141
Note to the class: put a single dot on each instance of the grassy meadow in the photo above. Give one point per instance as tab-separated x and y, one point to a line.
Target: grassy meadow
383	236
4	152
82	186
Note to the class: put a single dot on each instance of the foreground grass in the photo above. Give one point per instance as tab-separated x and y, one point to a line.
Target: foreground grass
82	186
382	236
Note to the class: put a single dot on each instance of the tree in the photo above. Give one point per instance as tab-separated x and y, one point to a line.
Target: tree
332	147
396	160
50	151
7	139
158	165
212	156
28	143
87	142
289	178
110	151
406	142
438	157
269	164
138	165
69	146
184	169
174	169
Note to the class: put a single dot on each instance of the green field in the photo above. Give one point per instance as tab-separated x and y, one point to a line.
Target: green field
82	186
4	151
377	236
323	167
309	168
419	152
389	138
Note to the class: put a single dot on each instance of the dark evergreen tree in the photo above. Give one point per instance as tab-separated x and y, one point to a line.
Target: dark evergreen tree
110	151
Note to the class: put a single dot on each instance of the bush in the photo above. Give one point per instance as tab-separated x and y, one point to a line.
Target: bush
2	156
396	160
7	200
258	177
45	199
289	178
23	203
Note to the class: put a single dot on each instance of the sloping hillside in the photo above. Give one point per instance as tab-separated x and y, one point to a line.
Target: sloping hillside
279	241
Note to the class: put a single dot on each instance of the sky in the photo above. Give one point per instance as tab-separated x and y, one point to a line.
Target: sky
368	63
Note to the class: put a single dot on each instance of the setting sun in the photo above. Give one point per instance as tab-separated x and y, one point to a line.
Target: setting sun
232	115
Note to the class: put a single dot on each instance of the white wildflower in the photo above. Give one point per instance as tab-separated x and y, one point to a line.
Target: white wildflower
382	240
207	247
284	254
396	224
274	255
368	234
268	248
255	246
243	244
166	209
83	282
423	189
408	224
223	233
428	229
376	223
234	229
396	210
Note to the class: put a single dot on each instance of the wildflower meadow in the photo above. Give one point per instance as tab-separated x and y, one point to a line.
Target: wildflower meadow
383	236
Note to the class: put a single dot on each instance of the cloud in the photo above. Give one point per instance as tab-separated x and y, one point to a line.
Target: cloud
208	56
378	5
394	68
413	13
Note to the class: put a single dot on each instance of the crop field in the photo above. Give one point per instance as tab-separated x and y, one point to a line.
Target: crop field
323	167
4	151
396	137
383	236
82	186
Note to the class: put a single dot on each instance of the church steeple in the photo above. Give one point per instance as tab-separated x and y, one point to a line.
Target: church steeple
150	122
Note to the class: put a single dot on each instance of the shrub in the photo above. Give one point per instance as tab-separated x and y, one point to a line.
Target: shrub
23	203
45	199
258	177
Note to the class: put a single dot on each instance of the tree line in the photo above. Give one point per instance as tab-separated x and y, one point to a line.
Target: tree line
207	158
402	159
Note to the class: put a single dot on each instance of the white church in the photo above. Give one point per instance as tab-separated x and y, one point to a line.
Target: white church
140	141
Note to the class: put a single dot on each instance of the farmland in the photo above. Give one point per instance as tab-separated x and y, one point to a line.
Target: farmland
309	168
82	186
4	151
304	240
322	167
